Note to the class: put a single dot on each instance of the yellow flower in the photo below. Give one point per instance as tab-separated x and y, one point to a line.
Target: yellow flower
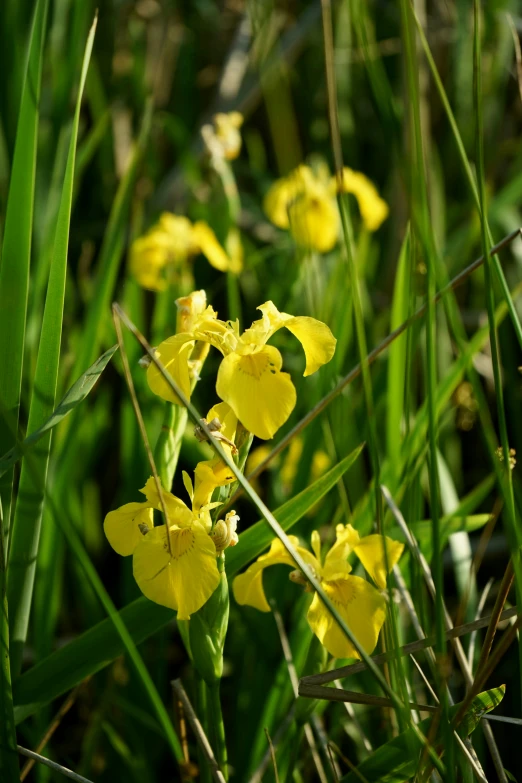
359	603
305	203
159	255
249	377
181	572
225	134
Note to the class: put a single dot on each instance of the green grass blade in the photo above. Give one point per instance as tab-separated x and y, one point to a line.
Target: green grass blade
397	355
29	506
75	395
16	249
14	286
393	763
98	646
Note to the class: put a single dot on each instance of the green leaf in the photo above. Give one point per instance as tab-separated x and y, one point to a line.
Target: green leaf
14	287
258	537
76	394
394	762
98	646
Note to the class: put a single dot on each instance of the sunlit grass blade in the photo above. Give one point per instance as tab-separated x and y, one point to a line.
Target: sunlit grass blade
16	248
74	396
29	505
98	646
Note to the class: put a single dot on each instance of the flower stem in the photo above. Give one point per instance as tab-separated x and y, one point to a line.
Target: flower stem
218	728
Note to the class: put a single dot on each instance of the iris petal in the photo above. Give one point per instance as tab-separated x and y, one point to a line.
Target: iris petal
261	396
370	551
122	526
183	579
360	605
174	354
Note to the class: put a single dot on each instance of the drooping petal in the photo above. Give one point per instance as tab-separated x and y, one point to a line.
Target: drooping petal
316	338
314	219
373	208
360	605
210	247
261	396
177	510
370	551
122	526
248	587
174	354
183	579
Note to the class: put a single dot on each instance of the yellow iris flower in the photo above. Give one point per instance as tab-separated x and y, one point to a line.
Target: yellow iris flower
224	136
156	257
249	377
305	203
180	573
358	602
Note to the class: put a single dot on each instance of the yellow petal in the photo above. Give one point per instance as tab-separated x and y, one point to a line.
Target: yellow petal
227	133
180	232
208	475
360	605
316	338
174	354
148	257
235	250
227	417
122	526
189	309
248	587
316	545
314	220
370	551
178	512
210	247
372	207
183	579
283	192
261	396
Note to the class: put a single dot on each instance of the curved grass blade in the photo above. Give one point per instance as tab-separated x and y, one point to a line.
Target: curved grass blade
14	285
393	763
29	505
98	646
76	394
16	249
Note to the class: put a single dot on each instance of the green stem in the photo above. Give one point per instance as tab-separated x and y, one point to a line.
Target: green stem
218	728
205	774
9	768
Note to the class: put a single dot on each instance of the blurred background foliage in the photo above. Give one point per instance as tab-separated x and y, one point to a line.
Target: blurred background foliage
159	71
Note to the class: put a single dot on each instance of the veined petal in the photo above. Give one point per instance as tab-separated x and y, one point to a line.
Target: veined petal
179	513
174	354
360	605
122	526
183	579
316	338
248	587
210	247
370	551
261	396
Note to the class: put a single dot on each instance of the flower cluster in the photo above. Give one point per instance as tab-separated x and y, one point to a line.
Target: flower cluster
160	256
249	378
305	204
361	604
175	564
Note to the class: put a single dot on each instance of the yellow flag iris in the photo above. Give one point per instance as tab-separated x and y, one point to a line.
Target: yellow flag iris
180	571
360	604
304	203
249	378
160	256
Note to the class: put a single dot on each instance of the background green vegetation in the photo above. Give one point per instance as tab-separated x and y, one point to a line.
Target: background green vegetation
158	70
